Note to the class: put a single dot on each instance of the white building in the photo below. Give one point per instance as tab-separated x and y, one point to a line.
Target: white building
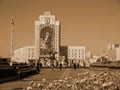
88	58
118	53
24	54
76	52
88	54
113	52
113	46
47	36
94	59
73	54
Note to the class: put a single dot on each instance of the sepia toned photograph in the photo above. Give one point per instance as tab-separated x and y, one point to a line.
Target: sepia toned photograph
59	44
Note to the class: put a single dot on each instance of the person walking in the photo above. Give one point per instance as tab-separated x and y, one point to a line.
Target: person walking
40	66
52	66
74	66
60	66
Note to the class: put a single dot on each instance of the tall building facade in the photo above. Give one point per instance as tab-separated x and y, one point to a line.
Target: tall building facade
113	52
47	36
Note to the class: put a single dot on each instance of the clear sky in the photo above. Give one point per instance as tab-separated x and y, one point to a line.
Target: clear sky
90	23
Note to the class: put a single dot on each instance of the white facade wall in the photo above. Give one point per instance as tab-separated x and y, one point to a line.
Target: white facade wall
118	53
24	54
113	46
113	52
76	52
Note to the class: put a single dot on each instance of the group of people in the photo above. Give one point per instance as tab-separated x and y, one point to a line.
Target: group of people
39	66
60	66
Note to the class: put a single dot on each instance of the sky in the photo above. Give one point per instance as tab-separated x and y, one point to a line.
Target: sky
90	23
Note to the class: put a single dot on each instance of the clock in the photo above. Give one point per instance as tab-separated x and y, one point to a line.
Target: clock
47	20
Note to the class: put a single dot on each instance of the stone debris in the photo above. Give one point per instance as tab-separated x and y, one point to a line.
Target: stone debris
83	81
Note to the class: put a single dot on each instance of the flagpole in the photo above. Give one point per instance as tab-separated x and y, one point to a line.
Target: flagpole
12	28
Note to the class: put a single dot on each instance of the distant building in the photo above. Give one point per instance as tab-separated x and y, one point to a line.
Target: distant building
118	53
47	36
88	58
24	54
94	58
113	46
113	52
88	55
74	54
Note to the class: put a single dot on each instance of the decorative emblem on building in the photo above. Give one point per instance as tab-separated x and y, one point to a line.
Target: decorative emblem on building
47	20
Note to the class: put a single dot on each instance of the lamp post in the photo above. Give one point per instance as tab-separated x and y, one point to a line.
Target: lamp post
12	28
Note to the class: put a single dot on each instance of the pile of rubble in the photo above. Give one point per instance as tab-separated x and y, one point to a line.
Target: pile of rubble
83	81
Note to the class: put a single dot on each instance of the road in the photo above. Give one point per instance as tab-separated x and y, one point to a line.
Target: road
48	74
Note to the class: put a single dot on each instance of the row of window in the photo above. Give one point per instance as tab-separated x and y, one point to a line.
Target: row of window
74	50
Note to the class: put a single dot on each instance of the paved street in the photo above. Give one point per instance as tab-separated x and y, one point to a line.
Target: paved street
48	74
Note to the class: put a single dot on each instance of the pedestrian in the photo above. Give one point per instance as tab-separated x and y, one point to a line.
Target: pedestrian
74	66
60	66
40	66
52	66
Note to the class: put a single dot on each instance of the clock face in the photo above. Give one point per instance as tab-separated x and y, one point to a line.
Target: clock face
47	20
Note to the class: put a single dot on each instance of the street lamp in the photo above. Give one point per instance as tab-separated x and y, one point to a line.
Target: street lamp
12	28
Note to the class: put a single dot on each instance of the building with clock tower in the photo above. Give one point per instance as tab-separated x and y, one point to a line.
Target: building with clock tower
47	36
